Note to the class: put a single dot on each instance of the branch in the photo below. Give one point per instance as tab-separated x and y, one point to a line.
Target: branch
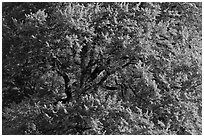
104	78
110	88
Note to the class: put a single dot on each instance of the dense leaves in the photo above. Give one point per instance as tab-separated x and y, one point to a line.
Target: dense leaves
102	68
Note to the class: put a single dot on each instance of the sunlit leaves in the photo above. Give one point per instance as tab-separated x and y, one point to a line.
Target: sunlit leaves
148	53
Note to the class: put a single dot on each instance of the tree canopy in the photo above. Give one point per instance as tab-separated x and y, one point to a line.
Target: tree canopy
102	68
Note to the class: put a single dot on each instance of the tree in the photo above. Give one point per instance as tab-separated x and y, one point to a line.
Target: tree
145	53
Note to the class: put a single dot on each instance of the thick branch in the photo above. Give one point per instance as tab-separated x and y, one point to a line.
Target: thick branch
83	56
110	88
104	78
66	81
112	72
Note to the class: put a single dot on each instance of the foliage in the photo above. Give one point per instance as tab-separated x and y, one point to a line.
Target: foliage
125	68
